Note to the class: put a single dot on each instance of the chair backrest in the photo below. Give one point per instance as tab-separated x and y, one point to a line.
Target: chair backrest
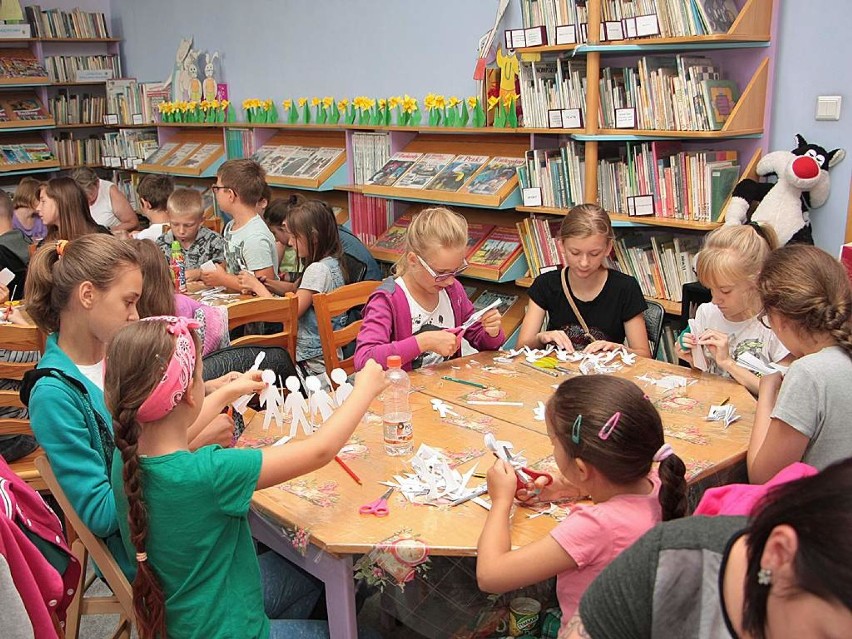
274	310
21	340
654	316
332	304
93	544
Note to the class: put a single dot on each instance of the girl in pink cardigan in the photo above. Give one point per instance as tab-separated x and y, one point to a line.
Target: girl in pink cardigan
418	314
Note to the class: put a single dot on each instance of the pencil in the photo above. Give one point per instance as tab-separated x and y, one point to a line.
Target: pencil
725	401
463	381
347	469
541	370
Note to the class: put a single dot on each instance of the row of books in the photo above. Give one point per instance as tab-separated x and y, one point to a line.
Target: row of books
489	247
626	19
55	23
21	106
659	179
75	108
553	85
194	156
473	174
370	152
542	248
26	153
370	217
668	93
20	63
128	147
292	161
661	264
559	173
73	151
239	143
82	68
127	181
124	101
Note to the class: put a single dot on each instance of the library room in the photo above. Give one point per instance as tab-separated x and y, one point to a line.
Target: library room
333	319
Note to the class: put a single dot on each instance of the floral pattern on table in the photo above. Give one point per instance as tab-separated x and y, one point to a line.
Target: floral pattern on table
320	494
355	448
696	466
485	395
677	404
478	423
687	433
300	538
395	561
247	441
460	457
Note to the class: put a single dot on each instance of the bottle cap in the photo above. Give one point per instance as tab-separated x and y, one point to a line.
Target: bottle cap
175	245
394	361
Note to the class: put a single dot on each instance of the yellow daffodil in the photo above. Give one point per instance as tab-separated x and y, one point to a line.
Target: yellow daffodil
394	102
267	104
382	103
472	101
453	102
409	104
342	104
440	101
287	104
303	101
315	102
224	104
509	99
493	101
429	101
163	106
370	103
327	101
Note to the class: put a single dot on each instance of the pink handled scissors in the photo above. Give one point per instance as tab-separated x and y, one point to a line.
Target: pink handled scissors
379	508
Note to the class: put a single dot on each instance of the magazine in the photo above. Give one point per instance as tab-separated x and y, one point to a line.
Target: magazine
393	240
181	154
277	158
424	170
157	156
487	297
494	176
457	172
295	161
203	154
321	159
498	249
393	169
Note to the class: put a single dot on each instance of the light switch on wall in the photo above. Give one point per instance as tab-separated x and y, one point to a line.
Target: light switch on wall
828	107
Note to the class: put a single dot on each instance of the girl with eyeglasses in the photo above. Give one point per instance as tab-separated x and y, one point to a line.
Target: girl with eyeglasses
804	415
417	314
729	325
588	306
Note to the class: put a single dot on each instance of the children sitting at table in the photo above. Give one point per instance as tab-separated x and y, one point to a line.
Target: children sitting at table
289	270
606	437
416	314
154	192
804	416
26	201
589	307
727	327
184	514
185	209
249	244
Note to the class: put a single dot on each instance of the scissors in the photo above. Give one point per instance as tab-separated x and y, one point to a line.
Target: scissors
379	508
473	319
526	475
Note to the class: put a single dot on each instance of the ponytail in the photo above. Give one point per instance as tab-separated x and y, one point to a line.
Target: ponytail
39	290
149	602
673	488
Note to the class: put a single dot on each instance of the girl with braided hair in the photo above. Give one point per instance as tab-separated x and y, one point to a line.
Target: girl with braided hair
183	514
804	416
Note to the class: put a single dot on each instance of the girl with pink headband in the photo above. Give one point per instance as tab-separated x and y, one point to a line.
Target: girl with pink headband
606	438
183	515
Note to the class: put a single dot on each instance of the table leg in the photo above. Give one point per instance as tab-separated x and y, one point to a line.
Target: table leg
335	572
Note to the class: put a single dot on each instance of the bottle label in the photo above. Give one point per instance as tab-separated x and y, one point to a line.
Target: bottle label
398	432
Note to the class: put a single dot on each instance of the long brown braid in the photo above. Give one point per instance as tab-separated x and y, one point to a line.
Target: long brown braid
136	361
811	288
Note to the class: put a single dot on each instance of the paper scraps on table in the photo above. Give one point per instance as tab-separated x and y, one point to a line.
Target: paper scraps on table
433	482
443	408
599	363
727	414
538	412
530	354
551	510
666	382
759	367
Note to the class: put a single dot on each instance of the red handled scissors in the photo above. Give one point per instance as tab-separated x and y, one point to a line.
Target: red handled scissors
379	508
526	475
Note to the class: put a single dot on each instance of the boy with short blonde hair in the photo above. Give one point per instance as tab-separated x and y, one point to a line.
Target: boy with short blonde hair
186	212
249	244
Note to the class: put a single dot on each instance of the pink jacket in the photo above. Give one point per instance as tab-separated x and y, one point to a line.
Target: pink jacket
387	326
40	586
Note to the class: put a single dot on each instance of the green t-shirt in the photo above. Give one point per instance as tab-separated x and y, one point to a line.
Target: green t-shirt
199	543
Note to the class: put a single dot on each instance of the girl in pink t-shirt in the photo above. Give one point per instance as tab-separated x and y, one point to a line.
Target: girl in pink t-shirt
606	436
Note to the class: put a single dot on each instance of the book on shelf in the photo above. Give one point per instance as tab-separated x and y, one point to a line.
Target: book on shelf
469	290
559	173
19	109
424	170
153	94
374	216
557	86
162	153
21	65
55	23
392	242
846	258
455	174
720	96
494	176
74	151
487	297
128	147
124	101
76	108
717	16
82	68
181	154
541	248
723	178
293	162
319	161
497	251
24	153
370	152
393	169
203	156
475	234
271	157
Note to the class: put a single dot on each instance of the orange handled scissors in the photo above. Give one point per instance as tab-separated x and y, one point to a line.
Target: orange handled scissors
379	508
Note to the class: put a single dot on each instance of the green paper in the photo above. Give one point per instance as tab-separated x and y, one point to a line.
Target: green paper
292	114
306	114
479	116
272	114
334	114
434	117
322	114
231	113
386	115
452	117
464	116
416	117
512	116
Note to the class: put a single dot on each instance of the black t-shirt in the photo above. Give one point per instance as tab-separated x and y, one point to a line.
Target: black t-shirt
620	300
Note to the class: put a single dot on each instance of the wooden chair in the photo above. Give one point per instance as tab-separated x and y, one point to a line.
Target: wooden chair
279	310
337	302
84	543
20	338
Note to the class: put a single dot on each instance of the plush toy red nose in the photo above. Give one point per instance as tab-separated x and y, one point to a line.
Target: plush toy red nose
805	167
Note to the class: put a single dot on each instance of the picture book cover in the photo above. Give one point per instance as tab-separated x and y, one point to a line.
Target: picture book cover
203	154
720	96
157	156
498	249
318	162
277	158
295	161
424	170
35	152
475	234
185	150
722	182
494	176
457	172
28	109
393	240
487	297
393	169
717	15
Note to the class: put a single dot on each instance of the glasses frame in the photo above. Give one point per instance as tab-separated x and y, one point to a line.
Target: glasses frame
442	277
219	187
763	318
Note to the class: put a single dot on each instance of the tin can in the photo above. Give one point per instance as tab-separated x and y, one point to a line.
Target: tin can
523	616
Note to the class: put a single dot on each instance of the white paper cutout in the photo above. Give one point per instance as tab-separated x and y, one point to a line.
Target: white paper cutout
443	408
727	414
433	481
344	388
698	357
241	403
667	382
296	406
320	405
271	401
538	412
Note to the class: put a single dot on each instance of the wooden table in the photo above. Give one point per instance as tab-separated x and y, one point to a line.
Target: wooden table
318	513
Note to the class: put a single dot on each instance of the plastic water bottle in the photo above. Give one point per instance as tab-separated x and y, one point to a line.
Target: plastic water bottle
396	418
178	266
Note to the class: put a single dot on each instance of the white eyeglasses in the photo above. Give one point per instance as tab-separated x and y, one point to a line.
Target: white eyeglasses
440	277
